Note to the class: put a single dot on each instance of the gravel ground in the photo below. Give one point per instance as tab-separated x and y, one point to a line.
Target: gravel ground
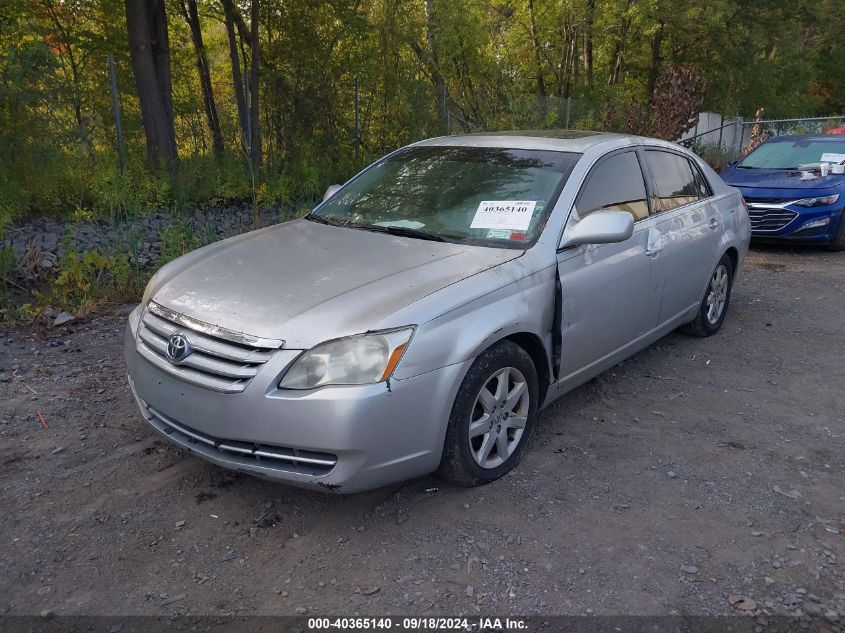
703	476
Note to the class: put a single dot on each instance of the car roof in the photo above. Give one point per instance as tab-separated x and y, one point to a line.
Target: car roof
559	140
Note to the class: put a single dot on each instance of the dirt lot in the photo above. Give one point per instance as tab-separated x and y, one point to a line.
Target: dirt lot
699	470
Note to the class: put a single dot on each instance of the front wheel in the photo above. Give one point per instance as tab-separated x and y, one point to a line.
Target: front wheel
838	243
492	416
714	305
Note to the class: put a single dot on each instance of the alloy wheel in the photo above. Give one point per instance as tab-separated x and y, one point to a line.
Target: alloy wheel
717	294
498	418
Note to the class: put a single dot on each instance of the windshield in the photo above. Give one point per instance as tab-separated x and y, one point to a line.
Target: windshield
791	154
483	195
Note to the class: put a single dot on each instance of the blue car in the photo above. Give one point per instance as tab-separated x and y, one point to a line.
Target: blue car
787	203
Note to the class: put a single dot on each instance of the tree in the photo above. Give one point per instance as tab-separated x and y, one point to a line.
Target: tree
254	122
538	60
280	75
589	20
231	16
431	60
677	99
191	15
62	41
621	40
146	23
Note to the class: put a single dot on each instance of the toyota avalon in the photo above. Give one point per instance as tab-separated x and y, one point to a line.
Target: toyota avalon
419	317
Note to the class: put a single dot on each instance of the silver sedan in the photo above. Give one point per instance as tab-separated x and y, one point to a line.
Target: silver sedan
421	315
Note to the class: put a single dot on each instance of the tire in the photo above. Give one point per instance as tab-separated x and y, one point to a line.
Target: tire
708	320
464	461
838	243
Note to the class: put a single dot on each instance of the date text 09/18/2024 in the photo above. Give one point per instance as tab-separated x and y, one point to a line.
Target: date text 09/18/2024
410	623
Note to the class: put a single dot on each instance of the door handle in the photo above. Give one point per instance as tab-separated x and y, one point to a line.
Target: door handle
651	252
714	223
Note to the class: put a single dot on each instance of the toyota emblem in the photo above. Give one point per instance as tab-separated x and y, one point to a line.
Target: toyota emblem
178	348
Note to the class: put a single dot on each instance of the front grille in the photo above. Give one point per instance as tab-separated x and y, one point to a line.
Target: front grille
777	201
217	364
770	219
247	453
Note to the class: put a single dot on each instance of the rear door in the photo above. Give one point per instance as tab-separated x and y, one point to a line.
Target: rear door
610	293
689	228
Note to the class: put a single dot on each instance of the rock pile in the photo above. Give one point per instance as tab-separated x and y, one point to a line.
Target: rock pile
43	242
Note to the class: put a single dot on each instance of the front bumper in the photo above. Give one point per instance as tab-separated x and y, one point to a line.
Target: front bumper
818	225
344	438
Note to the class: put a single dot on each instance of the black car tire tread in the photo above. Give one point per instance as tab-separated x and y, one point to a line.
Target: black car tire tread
456	463
838	243
700	326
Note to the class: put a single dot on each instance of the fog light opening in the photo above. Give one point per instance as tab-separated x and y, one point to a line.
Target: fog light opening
812	224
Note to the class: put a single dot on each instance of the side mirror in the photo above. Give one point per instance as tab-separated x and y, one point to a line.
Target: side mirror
600	227
333	189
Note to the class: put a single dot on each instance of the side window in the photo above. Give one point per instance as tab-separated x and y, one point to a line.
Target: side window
704	189
674	182
617	183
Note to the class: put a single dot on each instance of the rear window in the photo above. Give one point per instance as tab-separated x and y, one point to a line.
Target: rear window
675	183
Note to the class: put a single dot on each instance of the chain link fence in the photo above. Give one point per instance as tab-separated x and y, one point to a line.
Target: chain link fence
721	141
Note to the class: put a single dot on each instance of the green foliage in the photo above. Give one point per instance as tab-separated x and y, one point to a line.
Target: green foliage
86	282
515	64
714	155
205	181
177	238
7	262
13	200
135	191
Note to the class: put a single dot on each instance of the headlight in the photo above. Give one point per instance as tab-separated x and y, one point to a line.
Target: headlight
362	359
817	202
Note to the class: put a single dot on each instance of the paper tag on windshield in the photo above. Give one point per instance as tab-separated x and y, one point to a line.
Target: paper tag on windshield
504	214
832	157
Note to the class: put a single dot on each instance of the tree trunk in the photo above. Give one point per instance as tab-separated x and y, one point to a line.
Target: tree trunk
589	20
146	23
656	58
563	75
616	60
64	48
191	15
161	60
436	76
243	30
538	64
237	76
254	123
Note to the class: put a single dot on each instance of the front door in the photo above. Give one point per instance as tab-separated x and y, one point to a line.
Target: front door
610	293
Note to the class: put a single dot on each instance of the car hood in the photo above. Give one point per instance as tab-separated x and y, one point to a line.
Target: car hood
777	183
304	282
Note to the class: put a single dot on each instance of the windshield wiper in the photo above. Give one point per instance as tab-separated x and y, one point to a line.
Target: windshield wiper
405	231
324	220
769	168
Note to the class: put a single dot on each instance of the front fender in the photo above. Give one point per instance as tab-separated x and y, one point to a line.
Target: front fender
524	305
